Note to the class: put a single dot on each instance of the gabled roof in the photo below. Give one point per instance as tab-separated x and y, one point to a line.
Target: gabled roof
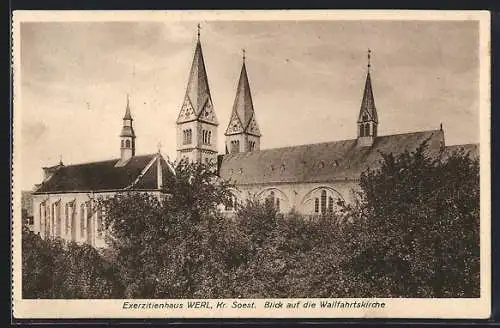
243	106
368	102
471	149
337	160
103	176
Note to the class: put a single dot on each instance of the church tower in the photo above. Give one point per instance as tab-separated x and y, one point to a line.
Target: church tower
368	118
242	133
127	137
197	122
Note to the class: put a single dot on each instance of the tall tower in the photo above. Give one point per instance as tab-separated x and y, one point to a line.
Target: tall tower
368	118
197	123
127	137
242	133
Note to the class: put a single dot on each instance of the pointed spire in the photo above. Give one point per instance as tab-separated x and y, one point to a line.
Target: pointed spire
127	128
368	102
128	115
243	104
197	96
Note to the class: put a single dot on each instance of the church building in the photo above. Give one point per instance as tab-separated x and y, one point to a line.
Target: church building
64	204
309	179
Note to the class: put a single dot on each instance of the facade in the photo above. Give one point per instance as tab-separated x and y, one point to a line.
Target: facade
64	204
309	179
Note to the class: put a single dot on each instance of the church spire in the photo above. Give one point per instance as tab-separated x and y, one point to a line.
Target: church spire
197	122
127	137
368	102
127	115
197	97
368	118
242	121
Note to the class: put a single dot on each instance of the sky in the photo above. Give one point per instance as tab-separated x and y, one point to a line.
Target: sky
306	77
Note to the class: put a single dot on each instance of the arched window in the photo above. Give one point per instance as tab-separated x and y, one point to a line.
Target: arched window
123	143
251	145
330	204
361	130
190	136
209	137
235	146
323	201
127	143
82	221
278	204
316	205
367	129
374	130
230	204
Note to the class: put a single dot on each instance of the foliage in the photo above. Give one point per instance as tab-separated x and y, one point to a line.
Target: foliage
418	229
413	231
56	269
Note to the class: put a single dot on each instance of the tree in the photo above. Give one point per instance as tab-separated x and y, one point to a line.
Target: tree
56	269
417	227
170	245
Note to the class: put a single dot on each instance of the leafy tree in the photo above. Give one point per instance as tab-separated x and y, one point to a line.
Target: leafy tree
171	245
417	227
56	269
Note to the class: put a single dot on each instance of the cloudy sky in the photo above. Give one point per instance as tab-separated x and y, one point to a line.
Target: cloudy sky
306	78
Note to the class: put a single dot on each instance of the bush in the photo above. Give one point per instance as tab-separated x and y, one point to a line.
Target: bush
55	269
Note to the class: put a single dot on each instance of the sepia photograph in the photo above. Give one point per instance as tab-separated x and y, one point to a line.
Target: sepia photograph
251	164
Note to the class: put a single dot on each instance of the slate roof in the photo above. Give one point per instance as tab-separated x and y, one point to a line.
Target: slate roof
368	102
102	176
337	160
243	103
471	149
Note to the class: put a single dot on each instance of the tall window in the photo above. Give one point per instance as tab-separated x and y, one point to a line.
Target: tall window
323	201
99	222
66	218
330	204
278	204
206	137
361	130
57	210
230	204
374	130
90	226
127	143
187	137
123	143
251	145
82	220
235	146
316	205
367	129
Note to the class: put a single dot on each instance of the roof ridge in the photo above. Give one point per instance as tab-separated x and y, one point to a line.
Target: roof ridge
336	141
107	161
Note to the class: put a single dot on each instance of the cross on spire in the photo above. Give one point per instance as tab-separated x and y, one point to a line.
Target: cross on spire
159	147
243	51
369	58
199	28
